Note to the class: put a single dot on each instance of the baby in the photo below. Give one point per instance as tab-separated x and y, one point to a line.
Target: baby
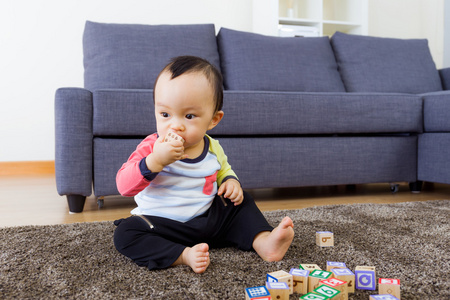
178	176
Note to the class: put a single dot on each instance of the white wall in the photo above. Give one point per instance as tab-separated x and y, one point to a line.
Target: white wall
410	19
41	50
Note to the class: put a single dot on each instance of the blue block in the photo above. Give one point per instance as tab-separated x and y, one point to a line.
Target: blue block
257	291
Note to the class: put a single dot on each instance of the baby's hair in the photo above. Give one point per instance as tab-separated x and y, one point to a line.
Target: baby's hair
189	64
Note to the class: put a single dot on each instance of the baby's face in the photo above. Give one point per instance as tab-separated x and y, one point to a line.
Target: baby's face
185	105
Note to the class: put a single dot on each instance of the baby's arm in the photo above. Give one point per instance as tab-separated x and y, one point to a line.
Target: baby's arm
144	164
232	190
130	180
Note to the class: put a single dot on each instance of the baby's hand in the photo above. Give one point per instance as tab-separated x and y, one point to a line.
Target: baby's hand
232	190
166	150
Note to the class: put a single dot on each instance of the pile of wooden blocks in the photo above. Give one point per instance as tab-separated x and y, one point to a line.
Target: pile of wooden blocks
314	283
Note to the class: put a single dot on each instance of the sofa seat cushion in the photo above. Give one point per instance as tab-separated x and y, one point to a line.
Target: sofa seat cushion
251	61
273	113
436	108
131	56
372	64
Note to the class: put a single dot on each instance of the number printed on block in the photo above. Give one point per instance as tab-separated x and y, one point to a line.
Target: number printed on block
326	291
312	296
324	238
389	286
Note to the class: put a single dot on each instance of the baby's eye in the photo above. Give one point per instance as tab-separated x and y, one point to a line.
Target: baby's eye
190	116
164	115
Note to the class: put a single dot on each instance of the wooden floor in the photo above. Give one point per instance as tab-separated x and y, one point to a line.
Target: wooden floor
33	200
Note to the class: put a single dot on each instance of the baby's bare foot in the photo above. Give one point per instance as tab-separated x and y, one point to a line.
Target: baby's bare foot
196	257
272	246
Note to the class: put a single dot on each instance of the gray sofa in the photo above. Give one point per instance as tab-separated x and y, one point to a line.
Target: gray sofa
298	111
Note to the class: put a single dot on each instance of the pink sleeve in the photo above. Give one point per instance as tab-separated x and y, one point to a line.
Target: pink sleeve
129	179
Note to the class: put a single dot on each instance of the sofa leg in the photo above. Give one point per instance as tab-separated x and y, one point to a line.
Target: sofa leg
76	203
415	187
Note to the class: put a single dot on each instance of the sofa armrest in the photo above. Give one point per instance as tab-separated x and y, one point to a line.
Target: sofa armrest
73	141
445	78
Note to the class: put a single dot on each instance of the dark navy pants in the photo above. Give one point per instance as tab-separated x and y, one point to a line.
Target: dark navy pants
157	242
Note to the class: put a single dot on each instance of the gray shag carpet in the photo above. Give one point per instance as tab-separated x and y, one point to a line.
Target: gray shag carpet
408	241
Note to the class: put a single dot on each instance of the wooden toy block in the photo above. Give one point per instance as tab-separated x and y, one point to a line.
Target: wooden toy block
339	285
345	275
281	276
171	136
315	277
309	267
327	291
383	297
300	280
324	239
389	286
335	265
313	296
257	293
365	278
278	290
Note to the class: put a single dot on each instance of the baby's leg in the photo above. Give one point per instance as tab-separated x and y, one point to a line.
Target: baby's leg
273	245
196	257
146	241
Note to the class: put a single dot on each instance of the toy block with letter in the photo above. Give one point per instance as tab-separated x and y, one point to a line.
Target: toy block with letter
383	297
389	286
278	290
365	278
337	284
324	238
300	280
281	276
171	136
315	277
345	275
335	265
257	293
327	291
309	267
313	296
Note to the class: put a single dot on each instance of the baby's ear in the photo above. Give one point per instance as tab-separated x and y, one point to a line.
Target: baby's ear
216	119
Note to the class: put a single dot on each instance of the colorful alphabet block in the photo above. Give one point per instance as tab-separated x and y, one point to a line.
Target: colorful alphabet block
309	267
345	275
324	238
327	291
281	276
278	290
257	293
337	284
335	265
365	278
312	296
300	280
383	297
315	277
389	286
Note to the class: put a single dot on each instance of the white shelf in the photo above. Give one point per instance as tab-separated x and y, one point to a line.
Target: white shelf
326	16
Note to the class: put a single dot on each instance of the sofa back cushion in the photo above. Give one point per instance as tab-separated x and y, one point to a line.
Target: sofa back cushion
131	56
373	64
256	62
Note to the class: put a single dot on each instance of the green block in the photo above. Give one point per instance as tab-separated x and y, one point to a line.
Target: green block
312	296
320	274
326	291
